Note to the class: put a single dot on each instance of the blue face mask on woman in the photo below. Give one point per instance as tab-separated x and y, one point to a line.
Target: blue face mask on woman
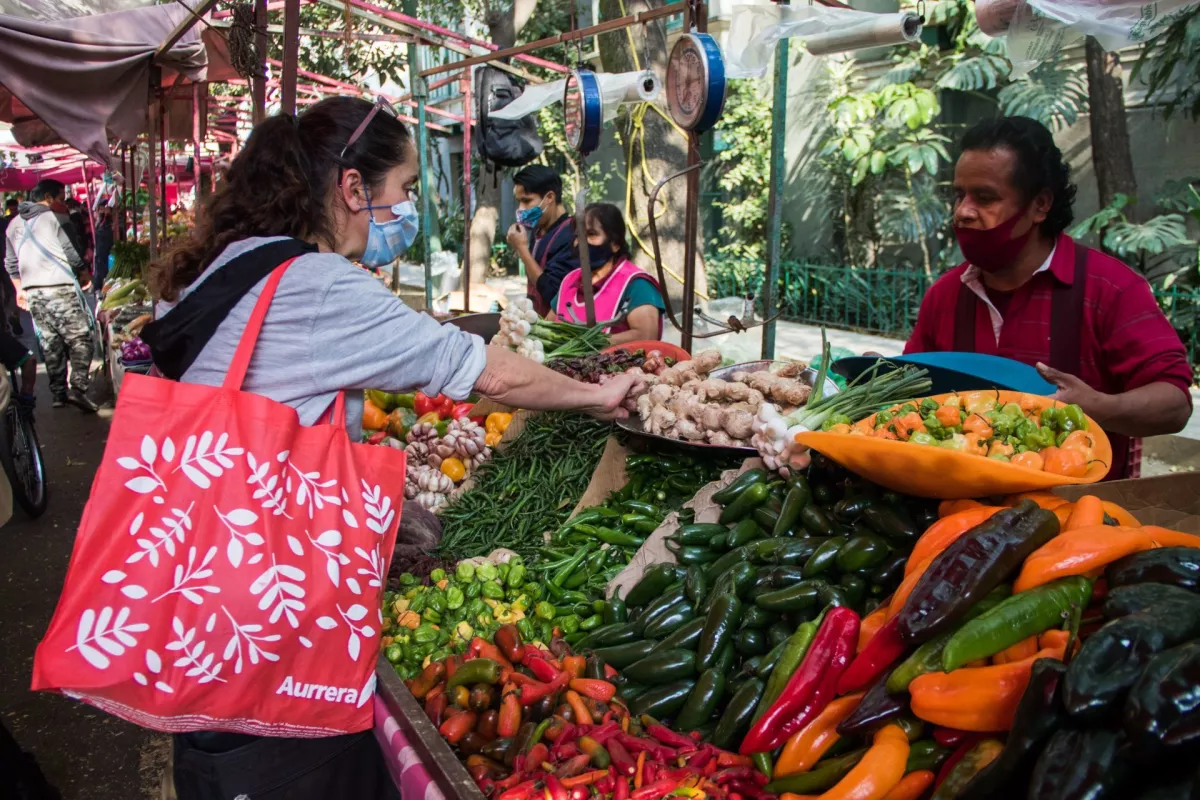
387	241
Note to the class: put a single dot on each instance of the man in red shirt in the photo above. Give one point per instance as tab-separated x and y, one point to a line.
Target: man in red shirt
1029	292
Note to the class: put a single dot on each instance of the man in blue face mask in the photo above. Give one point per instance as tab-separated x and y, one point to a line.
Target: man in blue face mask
543	235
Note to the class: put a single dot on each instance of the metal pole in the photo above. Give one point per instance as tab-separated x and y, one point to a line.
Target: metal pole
585	261
775	196
199	110
122	188
166	168
291	55
152	170
259	84
691	214
417	87
469	114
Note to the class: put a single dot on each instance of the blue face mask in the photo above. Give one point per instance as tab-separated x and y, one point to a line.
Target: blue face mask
387	241
530	217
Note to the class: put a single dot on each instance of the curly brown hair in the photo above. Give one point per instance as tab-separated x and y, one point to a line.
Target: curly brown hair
282	182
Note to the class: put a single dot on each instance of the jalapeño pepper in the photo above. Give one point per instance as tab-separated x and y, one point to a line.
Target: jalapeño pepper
740	484
793	503
746	502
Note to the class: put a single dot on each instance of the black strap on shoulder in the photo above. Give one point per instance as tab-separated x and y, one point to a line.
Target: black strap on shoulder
177	339
1066	317
964	320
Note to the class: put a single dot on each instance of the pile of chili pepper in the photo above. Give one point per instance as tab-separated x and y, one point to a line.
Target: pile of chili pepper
535	723
587	552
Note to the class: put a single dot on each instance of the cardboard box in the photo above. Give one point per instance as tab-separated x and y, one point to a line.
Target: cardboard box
1170	501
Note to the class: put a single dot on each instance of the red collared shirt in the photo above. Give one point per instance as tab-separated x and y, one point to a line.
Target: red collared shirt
1126	341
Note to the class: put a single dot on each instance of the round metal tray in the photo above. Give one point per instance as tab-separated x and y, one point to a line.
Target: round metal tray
485	325
634	424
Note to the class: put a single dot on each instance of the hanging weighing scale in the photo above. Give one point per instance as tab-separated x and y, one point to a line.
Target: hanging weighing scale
696	82
583	113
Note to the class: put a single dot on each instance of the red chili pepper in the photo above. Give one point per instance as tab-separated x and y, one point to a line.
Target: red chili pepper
554	789
736	774
537	754
666	735
602	733
725	759
749	790
620	757
949	737
649	772
533	692
435	707
573	766
542	669
460	410
480	421
811	687
444	406
452	665
508	639
508	783
578	792
489	650
654	790
634	744
620	789
377	437
969	740
473	649
565	751
884	649
423	404
606	784
521	791
510	712
610	671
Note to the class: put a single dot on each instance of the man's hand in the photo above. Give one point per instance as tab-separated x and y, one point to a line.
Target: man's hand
517	238
1071	389
609	396
22	300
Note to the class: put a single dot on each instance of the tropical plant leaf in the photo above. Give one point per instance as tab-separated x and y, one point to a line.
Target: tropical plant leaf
1152	237
1097	222
973	74
1169	65
1051	94
1179	195
911	215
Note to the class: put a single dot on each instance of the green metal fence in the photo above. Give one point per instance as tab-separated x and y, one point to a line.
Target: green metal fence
884	301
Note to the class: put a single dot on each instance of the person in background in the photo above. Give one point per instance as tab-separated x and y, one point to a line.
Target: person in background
1029	292
621	290
8	292
43	262
103	246
543	235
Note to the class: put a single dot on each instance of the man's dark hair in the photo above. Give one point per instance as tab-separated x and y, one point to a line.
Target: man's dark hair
11	202
539	180
46	189
1039	164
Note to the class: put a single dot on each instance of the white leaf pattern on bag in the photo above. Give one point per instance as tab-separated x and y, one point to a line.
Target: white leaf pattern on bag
351	615
113	576
194	572
325	543
174	527
247	633
235	519
134	592
378	507
201	665
150	482
275	592
374	569
105	631
203	455
308	490
269	494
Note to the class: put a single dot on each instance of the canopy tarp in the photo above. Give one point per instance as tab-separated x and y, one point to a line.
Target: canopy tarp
18	179
87	79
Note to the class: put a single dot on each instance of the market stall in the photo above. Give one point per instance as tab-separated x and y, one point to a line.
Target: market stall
978	618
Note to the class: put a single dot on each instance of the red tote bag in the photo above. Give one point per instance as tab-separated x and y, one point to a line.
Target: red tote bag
230	564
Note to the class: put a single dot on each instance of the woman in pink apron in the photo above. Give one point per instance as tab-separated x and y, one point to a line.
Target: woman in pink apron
621	290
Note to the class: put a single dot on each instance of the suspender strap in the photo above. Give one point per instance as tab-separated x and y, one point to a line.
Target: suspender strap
1066	317
964	320
566	223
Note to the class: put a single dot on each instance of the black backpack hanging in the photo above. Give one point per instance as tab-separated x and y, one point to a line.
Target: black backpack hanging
504	142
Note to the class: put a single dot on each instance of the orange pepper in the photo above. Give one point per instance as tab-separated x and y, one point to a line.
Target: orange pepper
884	433
911	786
574	665
948	507
976	444
1078	552
999	448
1055	639
1080	440
374	418
909	424
1046	500
870	625
942	533
980	699
906	586
1029	460
1162	537
1063	513
582	715
948	416
1087	513
806	746
1059	461
841	427
979	425
1018	652
880	770
1123	517
794	796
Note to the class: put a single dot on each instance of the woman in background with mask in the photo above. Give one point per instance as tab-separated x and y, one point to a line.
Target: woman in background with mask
621	290
1029	292
327	188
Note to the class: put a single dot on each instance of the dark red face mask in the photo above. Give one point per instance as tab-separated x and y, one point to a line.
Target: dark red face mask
993	249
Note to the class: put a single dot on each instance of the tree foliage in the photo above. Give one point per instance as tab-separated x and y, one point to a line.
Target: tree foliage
743	170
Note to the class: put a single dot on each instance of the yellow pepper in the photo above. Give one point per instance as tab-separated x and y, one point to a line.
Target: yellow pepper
492	438
432	418
410	620
497	422
454	469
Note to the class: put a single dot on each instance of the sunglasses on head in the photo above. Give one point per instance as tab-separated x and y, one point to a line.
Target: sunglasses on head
379	105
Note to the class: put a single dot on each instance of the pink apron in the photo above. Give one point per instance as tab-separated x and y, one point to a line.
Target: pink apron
607	297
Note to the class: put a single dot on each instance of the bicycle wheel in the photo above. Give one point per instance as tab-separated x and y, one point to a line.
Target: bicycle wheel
21	457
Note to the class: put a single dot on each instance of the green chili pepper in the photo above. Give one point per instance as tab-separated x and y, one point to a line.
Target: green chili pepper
545	610
619	538
425	634
1015	619
746	502
516	576
823	776
569	568
525	628
454	597
437	575
795	501
502	572
788	662
569	624
477	670
493	591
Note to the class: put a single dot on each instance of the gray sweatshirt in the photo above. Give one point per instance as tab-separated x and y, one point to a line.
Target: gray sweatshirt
40	250
333	326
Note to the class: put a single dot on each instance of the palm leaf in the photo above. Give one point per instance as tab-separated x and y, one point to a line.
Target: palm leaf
909	216
1097	222
1152	237
973	74
1179	195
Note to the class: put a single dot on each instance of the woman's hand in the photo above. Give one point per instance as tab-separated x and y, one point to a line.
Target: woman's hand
518	382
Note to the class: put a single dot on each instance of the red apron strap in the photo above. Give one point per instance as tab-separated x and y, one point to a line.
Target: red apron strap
964	320
566	223
1066	317
245	349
